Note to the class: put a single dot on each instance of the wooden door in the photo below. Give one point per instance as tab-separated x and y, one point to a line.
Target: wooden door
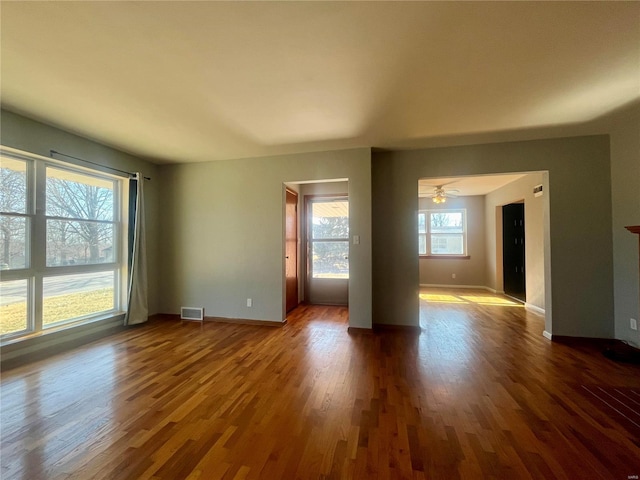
291	250
513	251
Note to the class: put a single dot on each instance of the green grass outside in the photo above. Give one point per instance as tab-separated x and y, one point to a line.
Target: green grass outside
13	317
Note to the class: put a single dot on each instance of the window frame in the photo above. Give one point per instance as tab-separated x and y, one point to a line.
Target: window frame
428	253
36	269
312	239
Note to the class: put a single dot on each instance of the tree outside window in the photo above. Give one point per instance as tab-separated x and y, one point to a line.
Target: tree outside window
442	232
61	237
329	238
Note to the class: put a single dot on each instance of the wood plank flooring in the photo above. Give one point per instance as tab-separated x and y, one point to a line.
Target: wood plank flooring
477	393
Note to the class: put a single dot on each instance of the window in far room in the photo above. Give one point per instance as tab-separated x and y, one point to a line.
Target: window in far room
442	232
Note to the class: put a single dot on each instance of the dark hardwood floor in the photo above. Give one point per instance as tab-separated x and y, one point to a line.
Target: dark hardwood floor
477	393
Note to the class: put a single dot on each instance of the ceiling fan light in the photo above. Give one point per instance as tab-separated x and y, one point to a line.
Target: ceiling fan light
439	197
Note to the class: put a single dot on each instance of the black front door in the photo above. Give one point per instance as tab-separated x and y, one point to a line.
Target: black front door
513	250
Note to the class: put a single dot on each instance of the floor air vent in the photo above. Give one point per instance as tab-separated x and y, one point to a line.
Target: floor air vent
192	313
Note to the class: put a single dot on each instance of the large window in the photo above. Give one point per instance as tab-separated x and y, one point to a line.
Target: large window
61	242
442	232
329	238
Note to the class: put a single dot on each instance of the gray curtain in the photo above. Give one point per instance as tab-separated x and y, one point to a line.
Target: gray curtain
137	304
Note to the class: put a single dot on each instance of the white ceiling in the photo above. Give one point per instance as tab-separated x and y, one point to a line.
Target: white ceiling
198	81
466	186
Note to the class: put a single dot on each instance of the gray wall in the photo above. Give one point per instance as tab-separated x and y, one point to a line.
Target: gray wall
625	182
35	137
223	227
591	191
469	272
581	267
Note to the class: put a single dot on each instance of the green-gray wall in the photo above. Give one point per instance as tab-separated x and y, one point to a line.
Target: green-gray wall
625	183
594	259
35	137
30	136
581	267
223	227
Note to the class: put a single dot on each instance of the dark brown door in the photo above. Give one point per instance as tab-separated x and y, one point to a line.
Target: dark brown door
291	249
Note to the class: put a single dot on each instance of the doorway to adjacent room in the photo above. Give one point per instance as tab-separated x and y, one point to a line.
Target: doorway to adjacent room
327	234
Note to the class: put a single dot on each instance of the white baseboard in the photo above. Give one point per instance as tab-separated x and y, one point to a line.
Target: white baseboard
534	309
546	335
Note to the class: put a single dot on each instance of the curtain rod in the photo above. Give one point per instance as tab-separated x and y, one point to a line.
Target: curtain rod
131	174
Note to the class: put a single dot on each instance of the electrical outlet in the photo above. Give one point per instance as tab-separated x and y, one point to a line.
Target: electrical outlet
249	302
453	275
633	324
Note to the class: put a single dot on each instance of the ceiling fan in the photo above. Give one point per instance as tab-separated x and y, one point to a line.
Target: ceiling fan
440	195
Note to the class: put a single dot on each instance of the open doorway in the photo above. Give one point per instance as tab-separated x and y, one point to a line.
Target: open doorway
327	239
331	276
470	250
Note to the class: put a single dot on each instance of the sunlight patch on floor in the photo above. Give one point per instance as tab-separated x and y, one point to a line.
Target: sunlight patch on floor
491	300
467	299
438	298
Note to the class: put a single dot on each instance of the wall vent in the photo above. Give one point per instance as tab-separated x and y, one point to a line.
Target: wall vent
192	313
537	191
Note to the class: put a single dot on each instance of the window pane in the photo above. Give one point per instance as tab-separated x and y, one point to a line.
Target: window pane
78	242
13	306
422	244
13	185
422	223
447	244
74	195
446	222
68	297
330	219
13	241
330	259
